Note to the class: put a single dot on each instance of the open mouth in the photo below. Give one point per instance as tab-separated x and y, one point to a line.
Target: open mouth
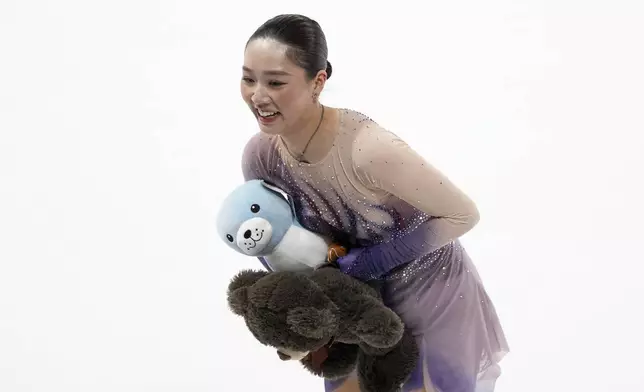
266	115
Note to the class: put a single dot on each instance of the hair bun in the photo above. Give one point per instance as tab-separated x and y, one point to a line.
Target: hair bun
301	34
329	69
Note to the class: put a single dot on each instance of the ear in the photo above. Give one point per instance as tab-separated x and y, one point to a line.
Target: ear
280	193
319	81
274	189
312	322
238	289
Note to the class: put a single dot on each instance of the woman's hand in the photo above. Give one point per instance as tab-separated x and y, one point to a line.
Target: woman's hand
350	261
335	252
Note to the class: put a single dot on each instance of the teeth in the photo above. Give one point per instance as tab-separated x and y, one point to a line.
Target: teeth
266	114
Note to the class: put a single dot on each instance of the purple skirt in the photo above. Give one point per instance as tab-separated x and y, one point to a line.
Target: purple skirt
441	298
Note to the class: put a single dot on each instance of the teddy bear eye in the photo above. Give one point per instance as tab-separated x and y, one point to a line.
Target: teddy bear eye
254	208
229	237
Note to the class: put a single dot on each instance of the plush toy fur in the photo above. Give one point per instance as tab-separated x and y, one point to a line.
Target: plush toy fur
257	219
329	321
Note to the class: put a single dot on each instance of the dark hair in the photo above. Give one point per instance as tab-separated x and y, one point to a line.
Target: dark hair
303	36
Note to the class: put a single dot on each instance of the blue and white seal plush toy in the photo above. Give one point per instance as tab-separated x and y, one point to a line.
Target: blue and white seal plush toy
257	219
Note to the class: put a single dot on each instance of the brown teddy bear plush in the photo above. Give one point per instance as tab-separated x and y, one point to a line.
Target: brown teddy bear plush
329	321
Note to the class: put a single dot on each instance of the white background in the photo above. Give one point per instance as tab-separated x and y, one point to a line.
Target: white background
121	129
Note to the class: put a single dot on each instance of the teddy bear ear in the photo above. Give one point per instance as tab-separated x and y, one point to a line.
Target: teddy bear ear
312	322
238	289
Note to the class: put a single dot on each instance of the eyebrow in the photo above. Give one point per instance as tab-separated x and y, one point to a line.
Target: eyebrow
272	73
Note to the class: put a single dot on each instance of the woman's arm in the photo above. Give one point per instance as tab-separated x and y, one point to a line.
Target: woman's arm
383	161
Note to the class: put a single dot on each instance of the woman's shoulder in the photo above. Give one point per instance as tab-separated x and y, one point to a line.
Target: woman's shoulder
259	147
376	151
356	119
259	141
258	155
361	125
368	137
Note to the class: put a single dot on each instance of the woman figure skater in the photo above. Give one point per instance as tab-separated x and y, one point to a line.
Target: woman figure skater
363	186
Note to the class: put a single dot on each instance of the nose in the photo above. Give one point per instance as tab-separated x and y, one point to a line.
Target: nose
260	97
247	234
283	357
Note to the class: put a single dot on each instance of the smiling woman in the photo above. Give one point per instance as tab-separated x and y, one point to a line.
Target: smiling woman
343	173
281	82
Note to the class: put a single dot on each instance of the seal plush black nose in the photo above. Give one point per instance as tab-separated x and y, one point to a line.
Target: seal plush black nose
247	234
283	357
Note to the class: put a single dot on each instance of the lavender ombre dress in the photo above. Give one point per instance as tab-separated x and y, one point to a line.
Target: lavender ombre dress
404	218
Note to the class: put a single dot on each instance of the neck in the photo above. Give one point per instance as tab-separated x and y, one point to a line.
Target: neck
305	132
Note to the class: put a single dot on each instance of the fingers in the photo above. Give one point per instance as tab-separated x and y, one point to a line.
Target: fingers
335	252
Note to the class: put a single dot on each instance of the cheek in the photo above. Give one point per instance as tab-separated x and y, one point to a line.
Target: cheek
291	100
246	92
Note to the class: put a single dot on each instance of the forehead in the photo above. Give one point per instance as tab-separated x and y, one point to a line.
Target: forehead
263	55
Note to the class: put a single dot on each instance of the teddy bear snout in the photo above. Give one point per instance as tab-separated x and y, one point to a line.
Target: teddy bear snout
290	355
283	356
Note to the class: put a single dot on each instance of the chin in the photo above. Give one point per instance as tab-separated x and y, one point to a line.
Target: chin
275	128
269	130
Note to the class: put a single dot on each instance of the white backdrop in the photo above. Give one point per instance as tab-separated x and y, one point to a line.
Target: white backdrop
121	129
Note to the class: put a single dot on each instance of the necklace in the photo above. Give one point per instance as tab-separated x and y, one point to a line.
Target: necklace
300	156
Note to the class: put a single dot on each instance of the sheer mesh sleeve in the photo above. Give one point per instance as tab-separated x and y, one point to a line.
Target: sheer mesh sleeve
385	162
253	162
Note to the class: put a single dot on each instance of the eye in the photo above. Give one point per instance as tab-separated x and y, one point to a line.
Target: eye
254	208
247	79
276	84
229	237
